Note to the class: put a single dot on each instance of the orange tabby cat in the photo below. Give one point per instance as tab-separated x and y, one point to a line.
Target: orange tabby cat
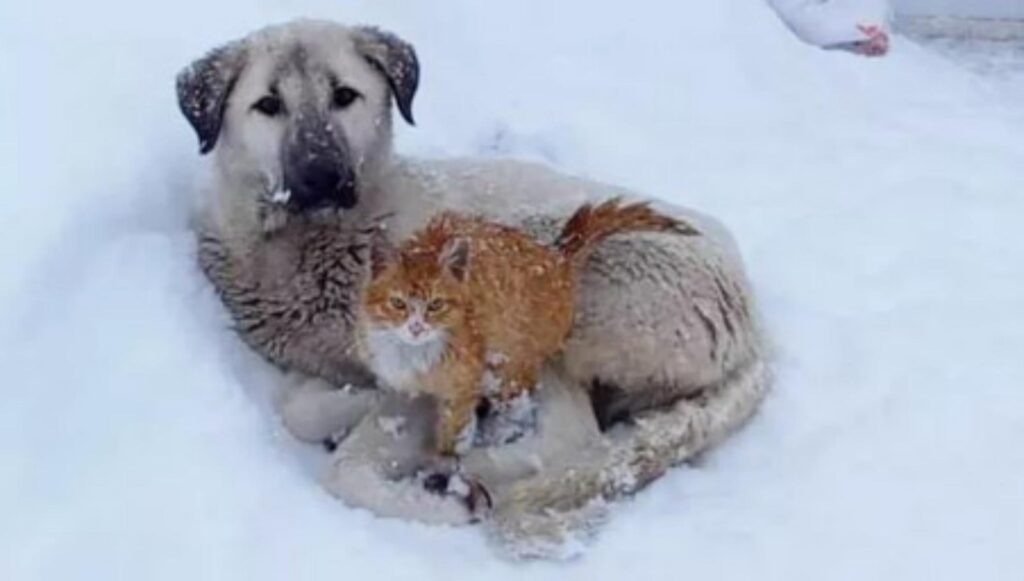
464	296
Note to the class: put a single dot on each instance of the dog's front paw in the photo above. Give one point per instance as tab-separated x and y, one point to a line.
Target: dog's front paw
436	482
470	491
474	494
331	442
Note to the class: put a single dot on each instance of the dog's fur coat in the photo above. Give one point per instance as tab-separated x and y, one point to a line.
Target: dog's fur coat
665	334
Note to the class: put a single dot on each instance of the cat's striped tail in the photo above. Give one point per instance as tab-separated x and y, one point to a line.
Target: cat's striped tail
591	224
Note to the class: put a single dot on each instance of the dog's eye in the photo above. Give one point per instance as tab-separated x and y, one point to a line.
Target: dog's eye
269	105
397	303
344	96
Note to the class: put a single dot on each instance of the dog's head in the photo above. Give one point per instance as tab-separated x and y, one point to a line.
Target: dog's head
297	114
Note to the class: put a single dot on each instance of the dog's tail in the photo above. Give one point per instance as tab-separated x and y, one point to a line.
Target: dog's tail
542	516
591	224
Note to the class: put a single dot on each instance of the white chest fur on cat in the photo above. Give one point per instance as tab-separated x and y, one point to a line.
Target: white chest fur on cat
399	363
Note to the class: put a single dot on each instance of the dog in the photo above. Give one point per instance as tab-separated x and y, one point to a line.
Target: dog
666	356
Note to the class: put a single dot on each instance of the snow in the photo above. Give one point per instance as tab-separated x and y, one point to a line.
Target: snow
511	420
877	203
281	196
391	425
1000	61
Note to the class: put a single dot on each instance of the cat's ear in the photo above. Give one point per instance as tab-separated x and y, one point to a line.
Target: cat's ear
382	254
455	258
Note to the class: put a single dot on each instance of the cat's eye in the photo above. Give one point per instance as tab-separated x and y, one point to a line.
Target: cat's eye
269	105
435	305
397	303
344	96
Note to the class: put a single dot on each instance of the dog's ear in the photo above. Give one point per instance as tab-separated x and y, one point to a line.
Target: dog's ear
396	60
203	88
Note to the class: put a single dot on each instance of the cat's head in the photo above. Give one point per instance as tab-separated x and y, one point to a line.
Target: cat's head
418	294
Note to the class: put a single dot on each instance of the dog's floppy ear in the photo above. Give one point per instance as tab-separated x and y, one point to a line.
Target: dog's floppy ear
203	88
396	60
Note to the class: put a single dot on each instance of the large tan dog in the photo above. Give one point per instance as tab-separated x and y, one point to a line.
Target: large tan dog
665	349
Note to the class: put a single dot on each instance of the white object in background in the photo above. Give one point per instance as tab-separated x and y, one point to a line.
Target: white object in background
860	26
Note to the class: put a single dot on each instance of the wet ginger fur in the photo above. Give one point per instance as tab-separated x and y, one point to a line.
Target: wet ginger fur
464	297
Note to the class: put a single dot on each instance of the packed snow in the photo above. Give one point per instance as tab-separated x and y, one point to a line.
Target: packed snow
878	204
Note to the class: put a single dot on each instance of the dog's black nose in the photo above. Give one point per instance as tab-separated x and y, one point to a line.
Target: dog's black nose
319	179
318	170
319	185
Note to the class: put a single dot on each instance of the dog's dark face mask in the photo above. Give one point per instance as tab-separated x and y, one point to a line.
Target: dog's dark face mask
317	166
300	117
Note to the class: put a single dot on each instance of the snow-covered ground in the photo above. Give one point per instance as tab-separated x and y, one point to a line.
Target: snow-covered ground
1000	61
878	203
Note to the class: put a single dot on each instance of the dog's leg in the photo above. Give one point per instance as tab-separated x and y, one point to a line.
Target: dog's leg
380	467
539	516
314	410
565	433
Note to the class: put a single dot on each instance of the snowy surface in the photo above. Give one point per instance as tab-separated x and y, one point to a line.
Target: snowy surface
878	203
999	61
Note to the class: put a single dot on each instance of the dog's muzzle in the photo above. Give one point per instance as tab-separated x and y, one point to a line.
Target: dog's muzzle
321	185
318	170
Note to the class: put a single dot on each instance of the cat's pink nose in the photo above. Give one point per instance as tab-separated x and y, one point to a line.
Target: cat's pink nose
416	328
